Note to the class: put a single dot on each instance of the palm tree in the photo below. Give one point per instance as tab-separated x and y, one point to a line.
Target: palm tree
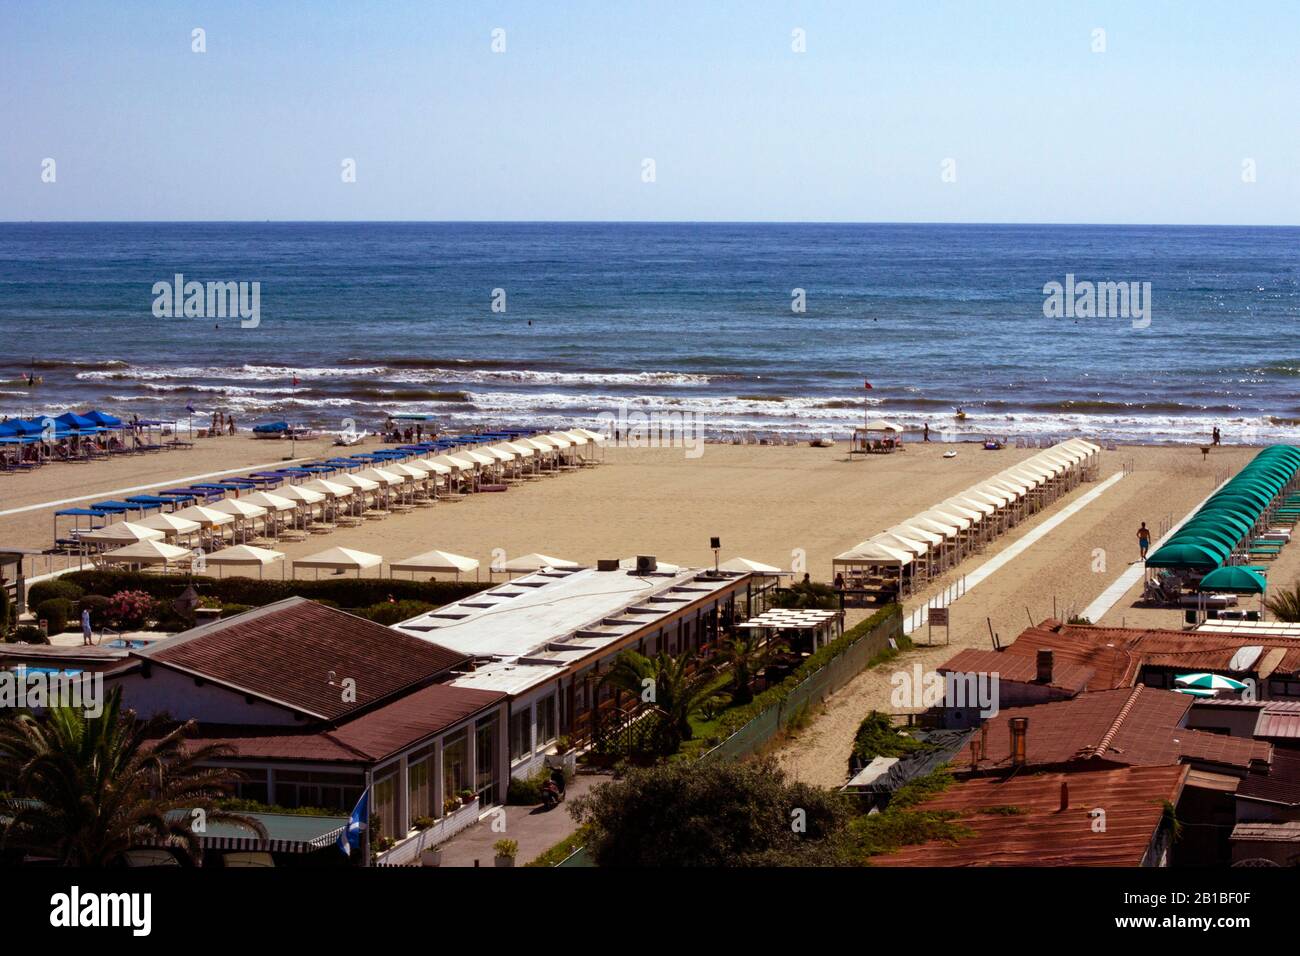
672	686
1285	605
86	789
746	654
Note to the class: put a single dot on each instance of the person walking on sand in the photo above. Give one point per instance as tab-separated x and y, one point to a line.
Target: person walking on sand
926	431
1144	539
231	424
1215	436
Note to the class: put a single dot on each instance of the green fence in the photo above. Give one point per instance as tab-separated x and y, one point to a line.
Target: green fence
813	689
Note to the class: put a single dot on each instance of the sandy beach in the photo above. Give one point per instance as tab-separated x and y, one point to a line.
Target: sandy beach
766	503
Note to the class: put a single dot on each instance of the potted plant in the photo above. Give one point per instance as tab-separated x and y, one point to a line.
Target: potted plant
506	851
467	797
451	805
564	757
431	857
421	823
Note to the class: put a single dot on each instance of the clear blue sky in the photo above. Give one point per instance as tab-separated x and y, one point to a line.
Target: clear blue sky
1042	129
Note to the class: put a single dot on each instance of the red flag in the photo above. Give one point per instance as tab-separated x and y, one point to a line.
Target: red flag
295	381
866	384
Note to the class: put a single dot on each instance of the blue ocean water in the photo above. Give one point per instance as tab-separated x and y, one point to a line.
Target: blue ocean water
373	318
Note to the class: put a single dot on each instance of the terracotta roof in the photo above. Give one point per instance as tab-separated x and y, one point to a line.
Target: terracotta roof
1117	655
1137	726
369	737
1280	785
1045	835
284	652
1021	668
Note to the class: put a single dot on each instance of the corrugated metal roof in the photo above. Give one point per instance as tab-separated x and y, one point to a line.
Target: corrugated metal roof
1044	834
284	653
1021	668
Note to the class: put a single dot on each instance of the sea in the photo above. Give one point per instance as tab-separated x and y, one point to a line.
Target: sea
780	329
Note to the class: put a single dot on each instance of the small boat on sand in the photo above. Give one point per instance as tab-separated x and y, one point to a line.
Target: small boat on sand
348	439
822	443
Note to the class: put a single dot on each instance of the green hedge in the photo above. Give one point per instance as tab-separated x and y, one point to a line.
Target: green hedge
254	592
732	720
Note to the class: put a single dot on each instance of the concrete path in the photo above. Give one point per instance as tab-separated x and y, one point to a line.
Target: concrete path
535	830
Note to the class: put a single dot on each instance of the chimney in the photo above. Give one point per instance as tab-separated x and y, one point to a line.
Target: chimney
1045	666
1065	796
1019	731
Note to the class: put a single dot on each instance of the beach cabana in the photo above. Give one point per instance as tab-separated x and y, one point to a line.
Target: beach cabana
536	562
436	562
1234	579
120	534
150	552
171	525
876	566
339	559
244	556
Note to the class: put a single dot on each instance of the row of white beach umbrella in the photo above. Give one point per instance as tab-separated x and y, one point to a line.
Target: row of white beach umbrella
978	513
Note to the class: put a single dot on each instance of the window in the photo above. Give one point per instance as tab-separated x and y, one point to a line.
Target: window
318	788
485	763
251	785
385	808
419	785
521	733
547	724
455	764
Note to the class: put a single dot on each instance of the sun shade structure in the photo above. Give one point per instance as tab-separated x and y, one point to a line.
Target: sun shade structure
535	562
330	489
340	559
122	533
238	508
170	524
1209	682
244	555
894	562
1234	579
745	565
433	562
148	552
205	516
271	502
300	494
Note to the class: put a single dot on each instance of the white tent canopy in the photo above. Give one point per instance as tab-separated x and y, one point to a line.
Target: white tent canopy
300	494
148	552
747	565
340	559
170	524
270	502
124	532
880	425
535	562
238	508
205	516
244	555
330	489
435	561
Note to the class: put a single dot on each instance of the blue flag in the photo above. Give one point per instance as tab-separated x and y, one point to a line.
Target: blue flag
189	407
351	836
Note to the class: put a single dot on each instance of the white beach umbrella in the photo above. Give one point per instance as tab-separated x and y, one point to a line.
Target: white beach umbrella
435	561
148	552
239	508
340	559
330	489
746	565
205	516
243	555
271	502
170	524
535	562
124	532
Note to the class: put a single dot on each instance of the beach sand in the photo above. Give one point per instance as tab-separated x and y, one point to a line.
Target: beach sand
765	502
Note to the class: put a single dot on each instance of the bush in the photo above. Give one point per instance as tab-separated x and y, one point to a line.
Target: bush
527	792
256	592
130	609
26	634
712	814
878	737
56	612
807	594
390	612
60	587
97	605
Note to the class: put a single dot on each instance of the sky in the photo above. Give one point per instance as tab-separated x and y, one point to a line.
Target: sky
910	111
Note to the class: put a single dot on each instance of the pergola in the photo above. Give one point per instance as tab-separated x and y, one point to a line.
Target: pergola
824	626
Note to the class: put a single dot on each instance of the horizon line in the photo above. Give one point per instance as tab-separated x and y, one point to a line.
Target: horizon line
645	222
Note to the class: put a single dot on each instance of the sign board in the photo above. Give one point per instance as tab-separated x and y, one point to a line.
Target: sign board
938	617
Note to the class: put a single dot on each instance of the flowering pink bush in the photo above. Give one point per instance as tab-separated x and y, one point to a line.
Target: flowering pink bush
130	609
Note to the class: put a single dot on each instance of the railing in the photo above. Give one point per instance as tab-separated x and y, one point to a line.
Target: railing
919	616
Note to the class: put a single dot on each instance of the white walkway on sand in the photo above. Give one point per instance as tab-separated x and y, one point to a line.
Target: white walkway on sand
153	484
1133	573
1013	551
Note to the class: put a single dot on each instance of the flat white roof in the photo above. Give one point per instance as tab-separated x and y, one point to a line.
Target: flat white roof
537	625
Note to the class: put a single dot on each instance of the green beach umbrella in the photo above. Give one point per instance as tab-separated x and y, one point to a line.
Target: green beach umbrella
1217	548
1190	556
1210	529
1195	692
1209	682
1234	579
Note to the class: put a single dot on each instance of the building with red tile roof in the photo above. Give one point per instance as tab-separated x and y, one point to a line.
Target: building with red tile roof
1052	819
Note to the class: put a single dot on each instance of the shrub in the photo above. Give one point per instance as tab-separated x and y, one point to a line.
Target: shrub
807	594
712	814
59	587
527	792
506	848
130	609
230	610
55	612
26	634
97	605
390	612
878	737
